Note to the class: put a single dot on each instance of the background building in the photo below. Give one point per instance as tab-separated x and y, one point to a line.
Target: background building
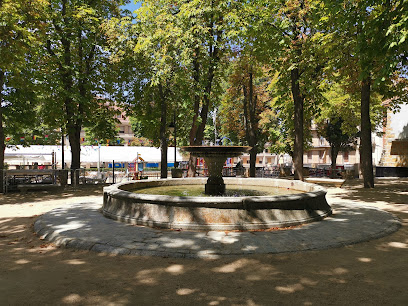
394	143
124	126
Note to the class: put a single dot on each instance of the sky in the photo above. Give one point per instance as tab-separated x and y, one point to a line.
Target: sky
132	6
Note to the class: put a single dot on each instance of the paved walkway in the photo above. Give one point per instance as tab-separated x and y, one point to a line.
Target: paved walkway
82	226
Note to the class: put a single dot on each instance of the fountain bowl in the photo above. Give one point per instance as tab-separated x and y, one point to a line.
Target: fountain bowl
215	157
218	212
224	151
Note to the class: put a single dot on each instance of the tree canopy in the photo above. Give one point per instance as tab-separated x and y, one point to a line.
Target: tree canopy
76	66
20	30
268	68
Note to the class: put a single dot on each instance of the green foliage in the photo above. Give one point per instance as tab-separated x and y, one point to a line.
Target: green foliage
137	127
371	35
278	119
192	34
20	33
104	127
280	139
245	100
76	69
335	134
20	28
371	60
19	104
75	66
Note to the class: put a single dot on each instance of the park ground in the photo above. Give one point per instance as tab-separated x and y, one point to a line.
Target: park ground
35	272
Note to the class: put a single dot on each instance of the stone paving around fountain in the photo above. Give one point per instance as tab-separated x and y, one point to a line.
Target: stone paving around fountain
82	226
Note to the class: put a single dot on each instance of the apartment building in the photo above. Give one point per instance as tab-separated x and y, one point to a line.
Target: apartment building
125	128
319	153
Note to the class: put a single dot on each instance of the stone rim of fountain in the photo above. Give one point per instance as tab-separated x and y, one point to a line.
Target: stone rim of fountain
216	213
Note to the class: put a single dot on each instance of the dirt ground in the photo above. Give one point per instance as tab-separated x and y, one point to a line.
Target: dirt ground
34	272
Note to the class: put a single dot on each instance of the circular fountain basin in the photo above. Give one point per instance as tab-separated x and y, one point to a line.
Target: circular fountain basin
122	202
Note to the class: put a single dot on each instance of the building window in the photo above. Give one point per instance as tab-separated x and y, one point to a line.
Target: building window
346	157
322	156
322	141
309	156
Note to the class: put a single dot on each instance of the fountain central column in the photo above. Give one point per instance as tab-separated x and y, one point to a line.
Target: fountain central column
215	183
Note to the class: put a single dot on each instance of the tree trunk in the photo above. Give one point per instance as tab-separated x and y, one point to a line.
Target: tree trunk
366	157
333	154
252	161
298	124
192	162
197	129
2	137
163	136
74	142
163	157
250	122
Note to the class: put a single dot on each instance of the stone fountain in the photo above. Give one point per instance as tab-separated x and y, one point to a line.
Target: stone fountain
125	203
215	157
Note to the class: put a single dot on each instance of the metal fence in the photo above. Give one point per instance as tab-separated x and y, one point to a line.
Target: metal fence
337	173
270	172
24	179
46	179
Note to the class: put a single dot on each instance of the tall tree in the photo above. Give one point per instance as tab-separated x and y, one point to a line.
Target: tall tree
337	122
184	43
154	75
338	139
205	28
246	98
372	36
20	33
75	64
338	119
287	30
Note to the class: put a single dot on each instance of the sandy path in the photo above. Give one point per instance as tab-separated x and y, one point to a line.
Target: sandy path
33	272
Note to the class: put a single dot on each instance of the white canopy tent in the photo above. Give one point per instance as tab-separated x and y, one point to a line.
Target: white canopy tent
19	155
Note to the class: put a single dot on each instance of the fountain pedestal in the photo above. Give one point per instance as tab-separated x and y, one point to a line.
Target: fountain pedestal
215	183
215	157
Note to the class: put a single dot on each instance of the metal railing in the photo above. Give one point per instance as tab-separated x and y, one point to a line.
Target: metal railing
15	179
25	178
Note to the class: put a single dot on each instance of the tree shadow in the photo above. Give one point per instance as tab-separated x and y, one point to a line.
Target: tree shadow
389	190
17	198
36	272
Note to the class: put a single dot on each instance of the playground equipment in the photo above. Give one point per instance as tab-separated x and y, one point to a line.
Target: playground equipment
136	167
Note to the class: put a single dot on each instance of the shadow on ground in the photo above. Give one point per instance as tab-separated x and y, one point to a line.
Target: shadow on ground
17	197
392	191
34	272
